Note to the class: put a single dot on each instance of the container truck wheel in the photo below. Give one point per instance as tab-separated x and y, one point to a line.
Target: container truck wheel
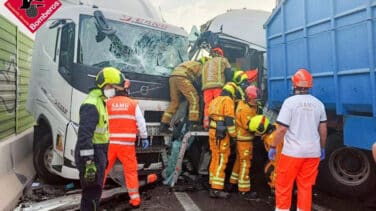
348	171
42	160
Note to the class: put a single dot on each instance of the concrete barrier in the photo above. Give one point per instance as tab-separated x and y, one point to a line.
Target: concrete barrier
16	167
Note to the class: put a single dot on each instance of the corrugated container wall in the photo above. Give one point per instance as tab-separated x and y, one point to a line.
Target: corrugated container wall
335	41
15	63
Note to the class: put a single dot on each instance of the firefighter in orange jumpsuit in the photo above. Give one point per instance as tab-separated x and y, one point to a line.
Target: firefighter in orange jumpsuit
213	79
245	110
180	81
222	131
125	122
257	125
302	127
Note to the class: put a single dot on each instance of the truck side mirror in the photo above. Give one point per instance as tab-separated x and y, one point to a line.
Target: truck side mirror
102	23
57	23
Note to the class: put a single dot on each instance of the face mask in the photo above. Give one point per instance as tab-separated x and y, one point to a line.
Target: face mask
109	92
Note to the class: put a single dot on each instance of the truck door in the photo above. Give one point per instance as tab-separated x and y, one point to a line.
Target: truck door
55	82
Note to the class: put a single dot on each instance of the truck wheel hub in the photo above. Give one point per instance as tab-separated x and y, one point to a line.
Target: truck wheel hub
349	166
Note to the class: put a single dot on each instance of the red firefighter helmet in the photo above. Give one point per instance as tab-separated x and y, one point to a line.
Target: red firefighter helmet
302	78
218	51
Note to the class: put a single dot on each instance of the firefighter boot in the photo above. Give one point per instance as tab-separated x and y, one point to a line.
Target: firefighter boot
214	193
248	195
163	128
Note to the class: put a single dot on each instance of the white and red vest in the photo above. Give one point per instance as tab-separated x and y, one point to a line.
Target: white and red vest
122	120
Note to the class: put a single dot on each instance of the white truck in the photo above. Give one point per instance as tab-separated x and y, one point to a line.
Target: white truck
71	47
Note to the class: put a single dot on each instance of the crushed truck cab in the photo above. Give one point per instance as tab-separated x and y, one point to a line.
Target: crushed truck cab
71	47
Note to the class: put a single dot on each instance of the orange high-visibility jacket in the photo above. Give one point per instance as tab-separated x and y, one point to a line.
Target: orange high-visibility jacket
219	108
122	121
244	113
213	73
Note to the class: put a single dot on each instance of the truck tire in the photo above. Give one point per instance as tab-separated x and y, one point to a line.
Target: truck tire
42	159
347	172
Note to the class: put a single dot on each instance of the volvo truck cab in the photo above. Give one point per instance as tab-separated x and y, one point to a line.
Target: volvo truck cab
71	47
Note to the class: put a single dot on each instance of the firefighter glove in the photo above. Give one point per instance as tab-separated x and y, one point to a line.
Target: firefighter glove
271	153
322	156
90	174
145	143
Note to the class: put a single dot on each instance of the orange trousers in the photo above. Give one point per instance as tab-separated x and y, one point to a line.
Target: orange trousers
242	165
181	85
220	151
209	95
127	156
304	171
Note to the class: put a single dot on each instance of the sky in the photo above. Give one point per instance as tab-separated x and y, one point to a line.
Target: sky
186	13
183	13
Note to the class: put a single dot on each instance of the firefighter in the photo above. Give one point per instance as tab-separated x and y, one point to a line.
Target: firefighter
221	133
214	74
181	82
125	120
261	126
302	127
240	78
92	139
245	110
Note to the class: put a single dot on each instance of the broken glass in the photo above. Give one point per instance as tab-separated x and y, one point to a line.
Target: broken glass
132	48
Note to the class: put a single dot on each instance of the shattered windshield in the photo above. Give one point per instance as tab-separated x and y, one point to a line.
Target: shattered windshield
131	48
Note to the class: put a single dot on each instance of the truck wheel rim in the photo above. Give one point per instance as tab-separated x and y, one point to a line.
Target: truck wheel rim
339	166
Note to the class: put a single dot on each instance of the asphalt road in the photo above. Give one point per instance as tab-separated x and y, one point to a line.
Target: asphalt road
195	196
187	197
163	198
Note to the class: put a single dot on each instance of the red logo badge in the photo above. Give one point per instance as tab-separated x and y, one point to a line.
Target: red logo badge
33	13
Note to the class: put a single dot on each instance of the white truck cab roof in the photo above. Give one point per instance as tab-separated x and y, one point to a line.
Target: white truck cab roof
245	24
138	8
136	12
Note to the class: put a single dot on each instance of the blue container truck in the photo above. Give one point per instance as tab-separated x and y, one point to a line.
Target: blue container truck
336	41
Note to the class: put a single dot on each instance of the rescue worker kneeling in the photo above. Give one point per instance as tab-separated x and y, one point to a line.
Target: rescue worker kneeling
261	126
245	110
92	138
125	119
222	131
